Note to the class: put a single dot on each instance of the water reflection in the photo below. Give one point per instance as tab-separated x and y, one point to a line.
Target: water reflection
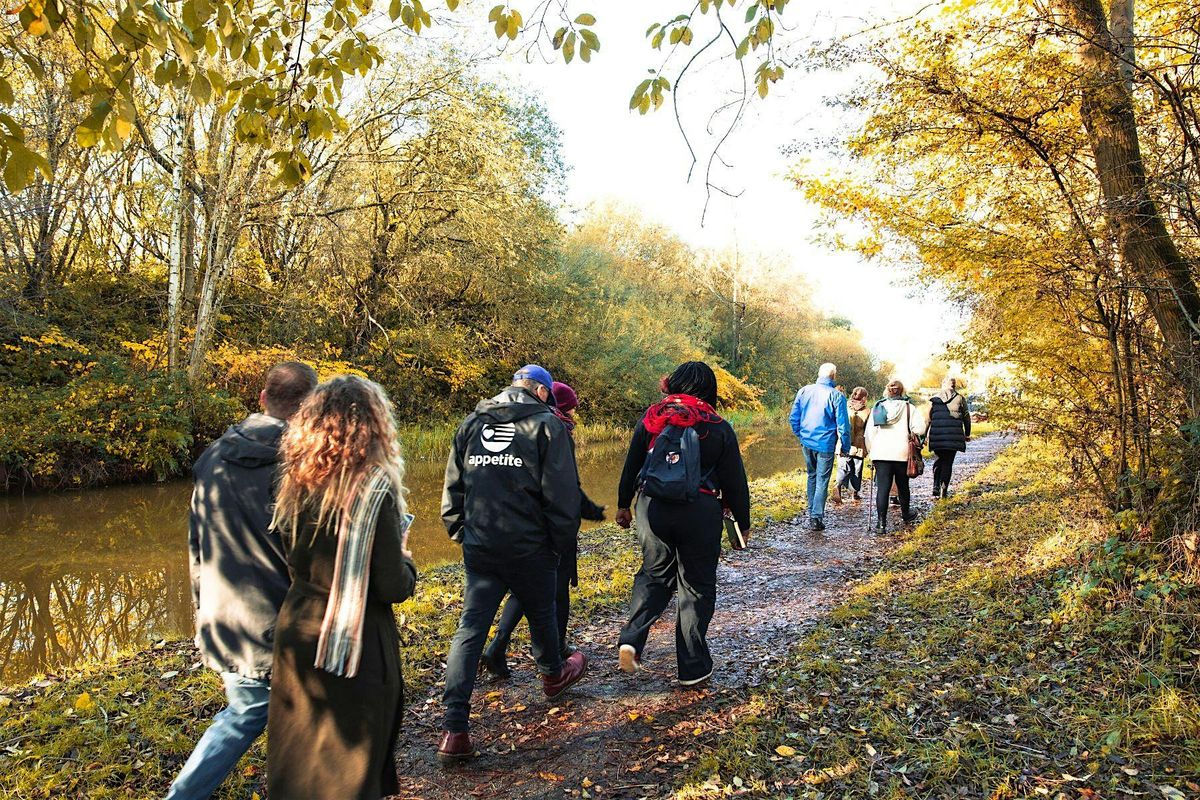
86	574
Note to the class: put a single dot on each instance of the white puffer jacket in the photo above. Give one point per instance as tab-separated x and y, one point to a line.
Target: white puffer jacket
889	442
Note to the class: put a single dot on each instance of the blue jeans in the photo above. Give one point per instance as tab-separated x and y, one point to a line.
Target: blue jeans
232	732
820	469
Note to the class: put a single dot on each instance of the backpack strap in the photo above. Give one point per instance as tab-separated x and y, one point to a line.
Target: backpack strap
706	478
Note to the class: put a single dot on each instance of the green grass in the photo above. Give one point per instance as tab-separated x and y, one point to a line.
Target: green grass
985	427
432	441
122	729
1013	646
762	418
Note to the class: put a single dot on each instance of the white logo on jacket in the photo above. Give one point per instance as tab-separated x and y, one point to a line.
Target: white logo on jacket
497	438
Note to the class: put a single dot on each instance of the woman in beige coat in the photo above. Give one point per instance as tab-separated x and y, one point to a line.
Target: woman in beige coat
850	468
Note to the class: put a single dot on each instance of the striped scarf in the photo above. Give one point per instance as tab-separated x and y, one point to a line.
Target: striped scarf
339	647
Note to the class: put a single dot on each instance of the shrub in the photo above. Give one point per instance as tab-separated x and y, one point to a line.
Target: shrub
90	418
239	372
735	393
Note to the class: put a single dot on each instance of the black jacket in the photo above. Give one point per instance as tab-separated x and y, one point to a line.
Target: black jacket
719	455
239	573
511	488
945	431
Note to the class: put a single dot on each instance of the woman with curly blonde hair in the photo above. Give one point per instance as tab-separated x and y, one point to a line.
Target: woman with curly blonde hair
336	690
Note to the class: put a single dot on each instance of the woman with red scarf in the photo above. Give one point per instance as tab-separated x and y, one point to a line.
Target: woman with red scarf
681	542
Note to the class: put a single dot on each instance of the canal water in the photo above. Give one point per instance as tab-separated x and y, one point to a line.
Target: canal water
86	574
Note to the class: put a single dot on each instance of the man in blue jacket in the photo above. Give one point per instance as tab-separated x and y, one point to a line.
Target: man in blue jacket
819	419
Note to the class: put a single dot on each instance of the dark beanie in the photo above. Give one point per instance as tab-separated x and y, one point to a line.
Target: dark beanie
564	396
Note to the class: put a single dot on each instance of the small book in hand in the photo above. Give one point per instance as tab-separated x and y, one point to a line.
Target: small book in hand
733	532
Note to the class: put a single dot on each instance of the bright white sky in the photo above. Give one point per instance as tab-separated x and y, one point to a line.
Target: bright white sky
642	161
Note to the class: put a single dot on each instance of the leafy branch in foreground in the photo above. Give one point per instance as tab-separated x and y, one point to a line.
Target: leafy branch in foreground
279	67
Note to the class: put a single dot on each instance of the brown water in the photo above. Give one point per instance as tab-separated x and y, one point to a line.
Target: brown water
86	574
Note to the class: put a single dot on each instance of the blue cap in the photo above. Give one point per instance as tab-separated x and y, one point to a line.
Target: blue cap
532	372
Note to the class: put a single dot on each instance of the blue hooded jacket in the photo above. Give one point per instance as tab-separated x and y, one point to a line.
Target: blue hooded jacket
819	417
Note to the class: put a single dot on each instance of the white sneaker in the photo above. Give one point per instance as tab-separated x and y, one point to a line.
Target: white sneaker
629	662
696	681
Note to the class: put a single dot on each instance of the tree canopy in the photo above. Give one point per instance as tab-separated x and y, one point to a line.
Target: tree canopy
278	68
987	163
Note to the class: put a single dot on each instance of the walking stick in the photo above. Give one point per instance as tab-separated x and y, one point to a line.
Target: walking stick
871	504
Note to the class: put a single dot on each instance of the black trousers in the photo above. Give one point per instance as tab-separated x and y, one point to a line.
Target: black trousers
531	580
513	613
943	469
885	473
681	544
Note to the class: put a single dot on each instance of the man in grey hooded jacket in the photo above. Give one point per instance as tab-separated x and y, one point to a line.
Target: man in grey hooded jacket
239	575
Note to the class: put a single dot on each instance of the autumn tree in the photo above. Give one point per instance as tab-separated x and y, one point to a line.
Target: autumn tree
987	163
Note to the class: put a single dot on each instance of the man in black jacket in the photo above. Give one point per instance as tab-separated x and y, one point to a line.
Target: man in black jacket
511	499
239	575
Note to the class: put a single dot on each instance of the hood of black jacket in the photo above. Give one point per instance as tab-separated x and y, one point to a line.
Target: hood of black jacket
511	405
253	442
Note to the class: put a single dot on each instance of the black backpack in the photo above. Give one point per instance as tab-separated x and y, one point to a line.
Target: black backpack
672	469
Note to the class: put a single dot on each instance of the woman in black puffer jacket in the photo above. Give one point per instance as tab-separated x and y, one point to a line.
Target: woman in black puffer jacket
949	432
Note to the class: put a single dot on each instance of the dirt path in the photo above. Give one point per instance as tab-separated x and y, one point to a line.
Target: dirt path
619	736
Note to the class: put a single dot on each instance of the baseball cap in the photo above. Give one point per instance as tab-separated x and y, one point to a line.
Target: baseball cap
532	372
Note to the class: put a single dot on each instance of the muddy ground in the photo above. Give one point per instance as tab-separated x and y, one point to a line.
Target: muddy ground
620	736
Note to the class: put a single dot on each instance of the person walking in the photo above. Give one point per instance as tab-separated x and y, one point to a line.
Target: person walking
891	424
512	499
949	432
495	658
337	693
819	419
239	575
685	466
850	466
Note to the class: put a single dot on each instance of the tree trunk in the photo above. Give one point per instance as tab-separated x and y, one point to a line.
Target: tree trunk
224	212
1154	261
189	219
180	243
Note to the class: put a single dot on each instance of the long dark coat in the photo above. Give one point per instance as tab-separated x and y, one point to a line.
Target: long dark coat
329	736
946	432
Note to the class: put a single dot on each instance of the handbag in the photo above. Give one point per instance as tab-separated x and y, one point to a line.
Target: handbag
916	462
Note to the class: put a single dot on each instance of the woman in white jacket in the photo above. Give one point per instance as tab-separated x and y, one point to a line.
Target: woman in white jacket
892	420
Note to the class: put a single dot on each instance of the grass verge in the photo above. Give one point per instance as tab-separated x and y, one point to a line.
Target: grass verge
1018	644
123	729
432	441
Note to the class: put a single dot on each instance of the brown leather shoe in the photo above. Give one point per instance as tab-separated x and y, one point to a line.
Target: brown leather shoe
573	670
455	748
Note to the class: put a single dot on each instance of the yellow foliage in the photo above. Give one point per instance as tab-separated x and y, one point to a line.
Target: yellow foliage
240	372
735	393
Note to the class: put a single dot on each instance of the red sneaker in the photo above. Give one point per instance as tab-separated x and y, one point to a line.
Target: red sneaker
573	670
455	748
